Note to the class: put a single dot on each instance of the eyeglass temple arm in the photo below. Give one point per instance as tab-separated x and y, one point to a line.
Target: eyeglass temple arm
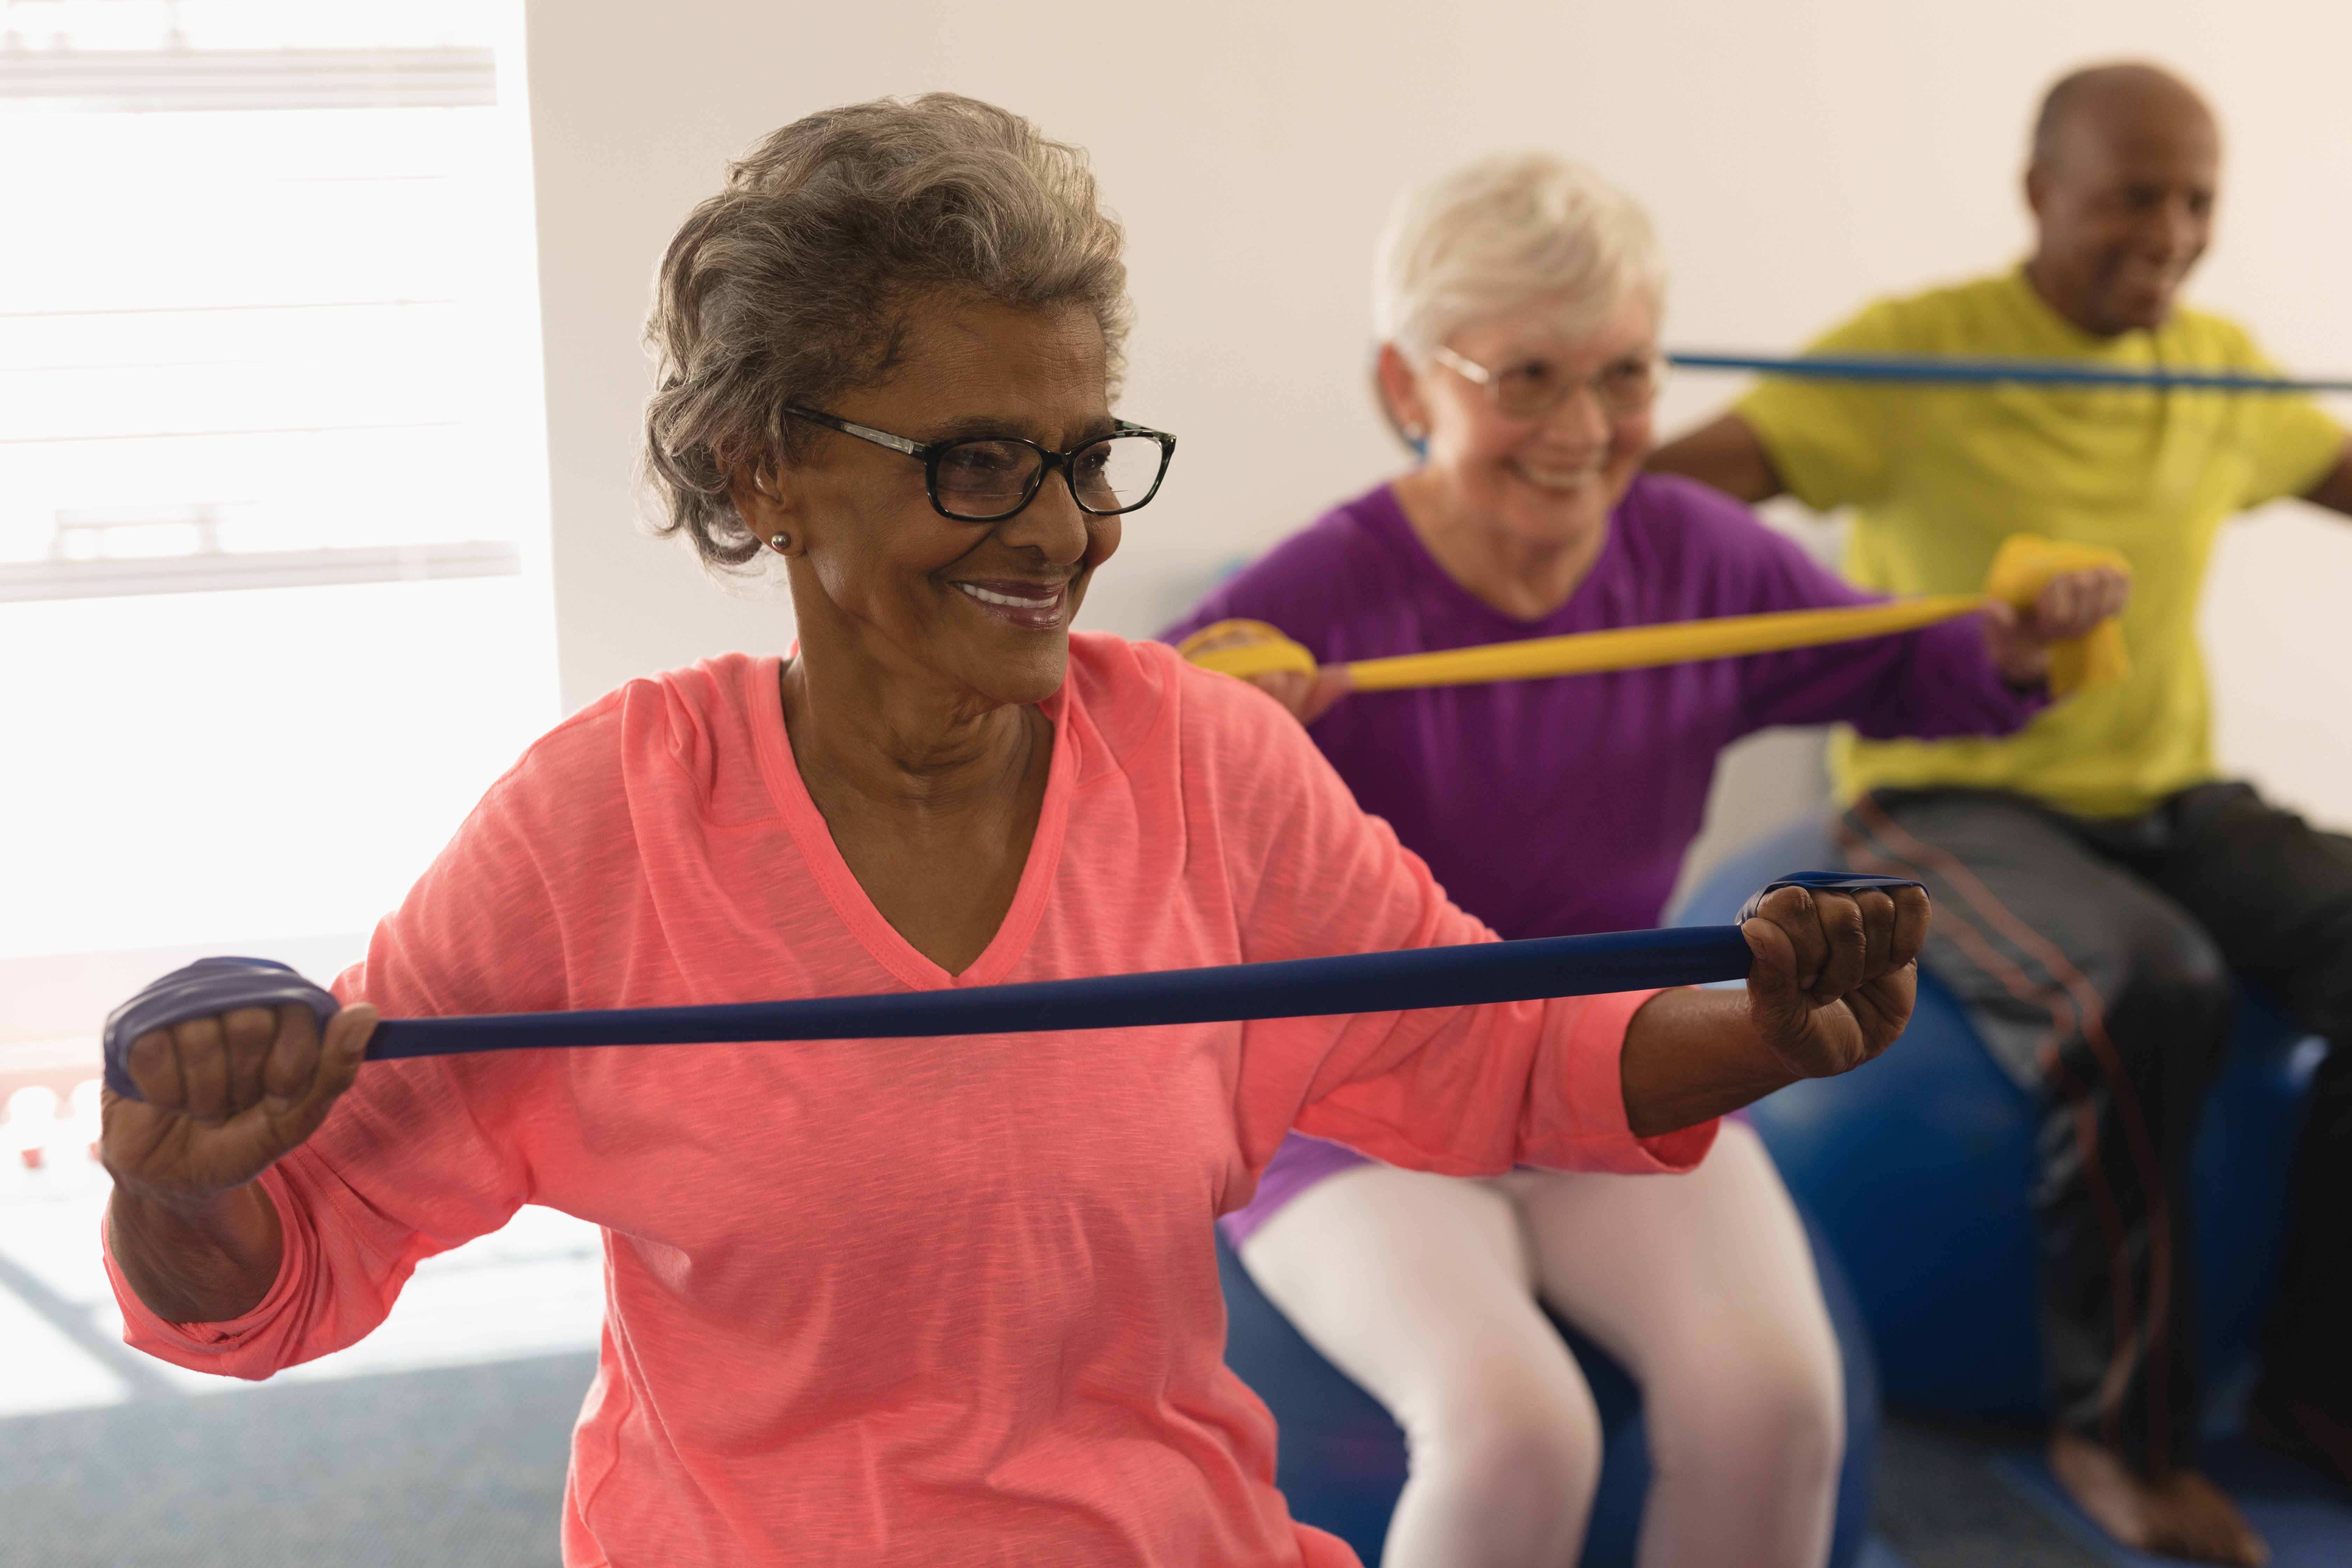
1468	370
863	432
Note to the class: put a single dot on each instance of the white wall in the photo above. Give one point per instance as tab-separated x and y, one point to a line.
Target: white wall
1799	158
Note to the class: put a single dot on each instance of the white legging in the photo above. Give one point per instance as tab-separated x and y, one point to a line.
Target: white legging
1422	1289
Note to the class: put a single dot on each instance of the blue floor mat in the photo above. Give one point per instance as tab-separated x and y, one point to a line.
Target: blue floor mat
2306	1520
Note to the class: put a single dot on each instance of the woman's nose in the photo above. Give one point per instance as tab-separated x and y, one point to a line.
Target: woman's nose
1579	416
1051	525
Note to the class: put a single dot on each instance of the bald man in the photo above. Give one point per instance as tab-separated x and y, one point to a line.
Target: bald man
2095	879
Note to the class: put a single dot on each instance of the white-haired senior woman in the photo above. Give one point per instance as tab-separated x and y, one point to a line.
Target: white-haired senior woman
1517	304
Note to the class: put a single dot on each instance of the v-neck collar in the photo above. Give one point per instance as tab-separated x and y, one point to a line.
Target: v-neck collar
877	935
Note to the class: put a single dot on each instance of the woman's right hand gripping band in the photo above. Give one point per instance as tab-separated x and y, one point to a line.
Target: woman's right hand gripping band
1290	675
217	1071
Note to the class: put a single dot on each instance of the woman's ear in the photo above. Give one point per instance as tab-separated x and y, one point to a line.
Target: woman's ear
759	498
1400	399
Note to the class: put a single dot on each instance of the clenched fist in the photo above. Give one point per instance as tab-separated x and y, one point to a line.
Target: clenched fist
2019	641
226	1097
1830	980
1834	973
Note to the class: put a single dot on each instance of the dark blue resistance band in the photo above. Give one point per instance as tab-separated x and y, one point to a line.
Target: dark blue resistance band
1956	369
1458	976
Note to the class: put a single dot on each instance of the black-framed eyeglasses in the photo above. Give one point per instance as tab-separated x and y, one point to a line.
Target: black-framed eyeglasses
987	479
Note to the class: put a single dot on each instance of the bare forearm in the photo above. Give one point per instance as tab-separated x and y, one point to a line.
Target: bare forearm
198	1261
1725	454
2335	491
1690	1055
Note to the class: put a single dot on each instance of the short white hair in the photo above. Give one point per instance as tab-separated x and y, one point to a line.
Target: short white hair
1503	231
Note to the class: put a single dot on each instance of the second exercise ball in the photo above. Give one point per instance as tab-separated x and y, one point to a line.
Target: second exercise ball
1921	1166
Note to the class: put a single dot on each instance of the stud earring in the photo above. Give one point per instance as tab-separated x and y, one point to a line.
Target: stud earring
1415	433
780	543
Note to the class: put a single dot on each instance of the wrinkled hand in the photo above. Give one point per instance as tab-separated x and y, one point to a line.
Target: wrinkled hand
2069	606
1834	974
1309	698
227	1097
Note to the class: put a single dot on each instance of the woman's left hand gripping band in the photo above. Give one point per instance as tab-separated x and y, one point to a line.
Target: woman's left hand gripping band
1835	967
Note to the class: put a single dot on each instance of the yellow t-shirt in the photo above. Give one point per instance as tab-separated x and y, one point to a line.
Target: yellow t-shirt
1938	475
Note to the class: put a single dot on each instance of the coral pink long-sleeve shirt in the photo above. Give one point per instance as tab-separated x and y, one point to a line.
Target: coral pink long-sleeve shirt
905	1301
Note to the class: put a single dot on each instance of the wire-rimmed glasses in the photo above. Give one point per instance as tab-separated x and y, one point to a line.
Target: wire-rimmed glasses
1525	388
987	479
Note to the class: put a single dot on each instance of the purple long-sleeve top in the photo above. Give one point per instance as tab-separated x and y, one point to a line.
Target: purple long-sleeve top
1550	807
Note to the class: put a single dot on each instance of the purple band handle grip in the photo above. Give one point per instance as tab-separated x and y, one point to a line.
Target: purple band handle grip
1463	975
207	987
1823	883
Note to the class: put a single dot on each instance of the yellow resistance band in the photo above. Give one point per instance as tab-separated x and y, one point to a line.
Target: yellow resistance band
2023	567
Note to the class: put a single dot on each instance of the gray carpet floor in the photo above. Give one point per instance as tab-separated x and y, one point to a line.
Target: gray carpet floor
464	1468
1940	1505
454	1468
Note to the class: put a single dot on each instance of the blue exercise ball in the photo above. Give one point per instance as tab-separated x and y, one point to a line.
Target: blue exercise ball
1920	1168
1342	1461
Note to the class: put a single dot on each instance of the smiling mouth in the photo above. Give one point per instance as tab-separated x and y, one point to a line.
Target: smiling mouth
1034	605
1556	479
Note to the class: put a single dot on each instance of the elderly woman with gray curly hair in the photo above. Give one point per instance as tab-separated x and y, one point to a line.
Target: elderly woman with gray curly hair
918	1300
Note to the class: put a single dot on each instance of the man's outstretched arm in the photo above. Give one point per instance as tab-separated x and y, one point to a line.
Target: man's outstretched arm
2335	491
1727	456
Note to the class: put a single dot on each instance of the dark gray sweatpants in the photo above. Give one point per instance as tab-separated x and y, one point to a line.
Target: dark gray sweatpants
2096	954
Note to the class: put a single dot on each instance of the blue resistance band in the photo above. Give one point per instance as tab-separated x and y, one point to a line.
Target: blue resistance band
1955	369
1458	976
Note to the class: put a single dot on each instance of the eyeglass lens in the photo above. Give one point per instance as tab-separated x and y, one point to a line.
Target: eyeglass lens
1538	386
987	479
